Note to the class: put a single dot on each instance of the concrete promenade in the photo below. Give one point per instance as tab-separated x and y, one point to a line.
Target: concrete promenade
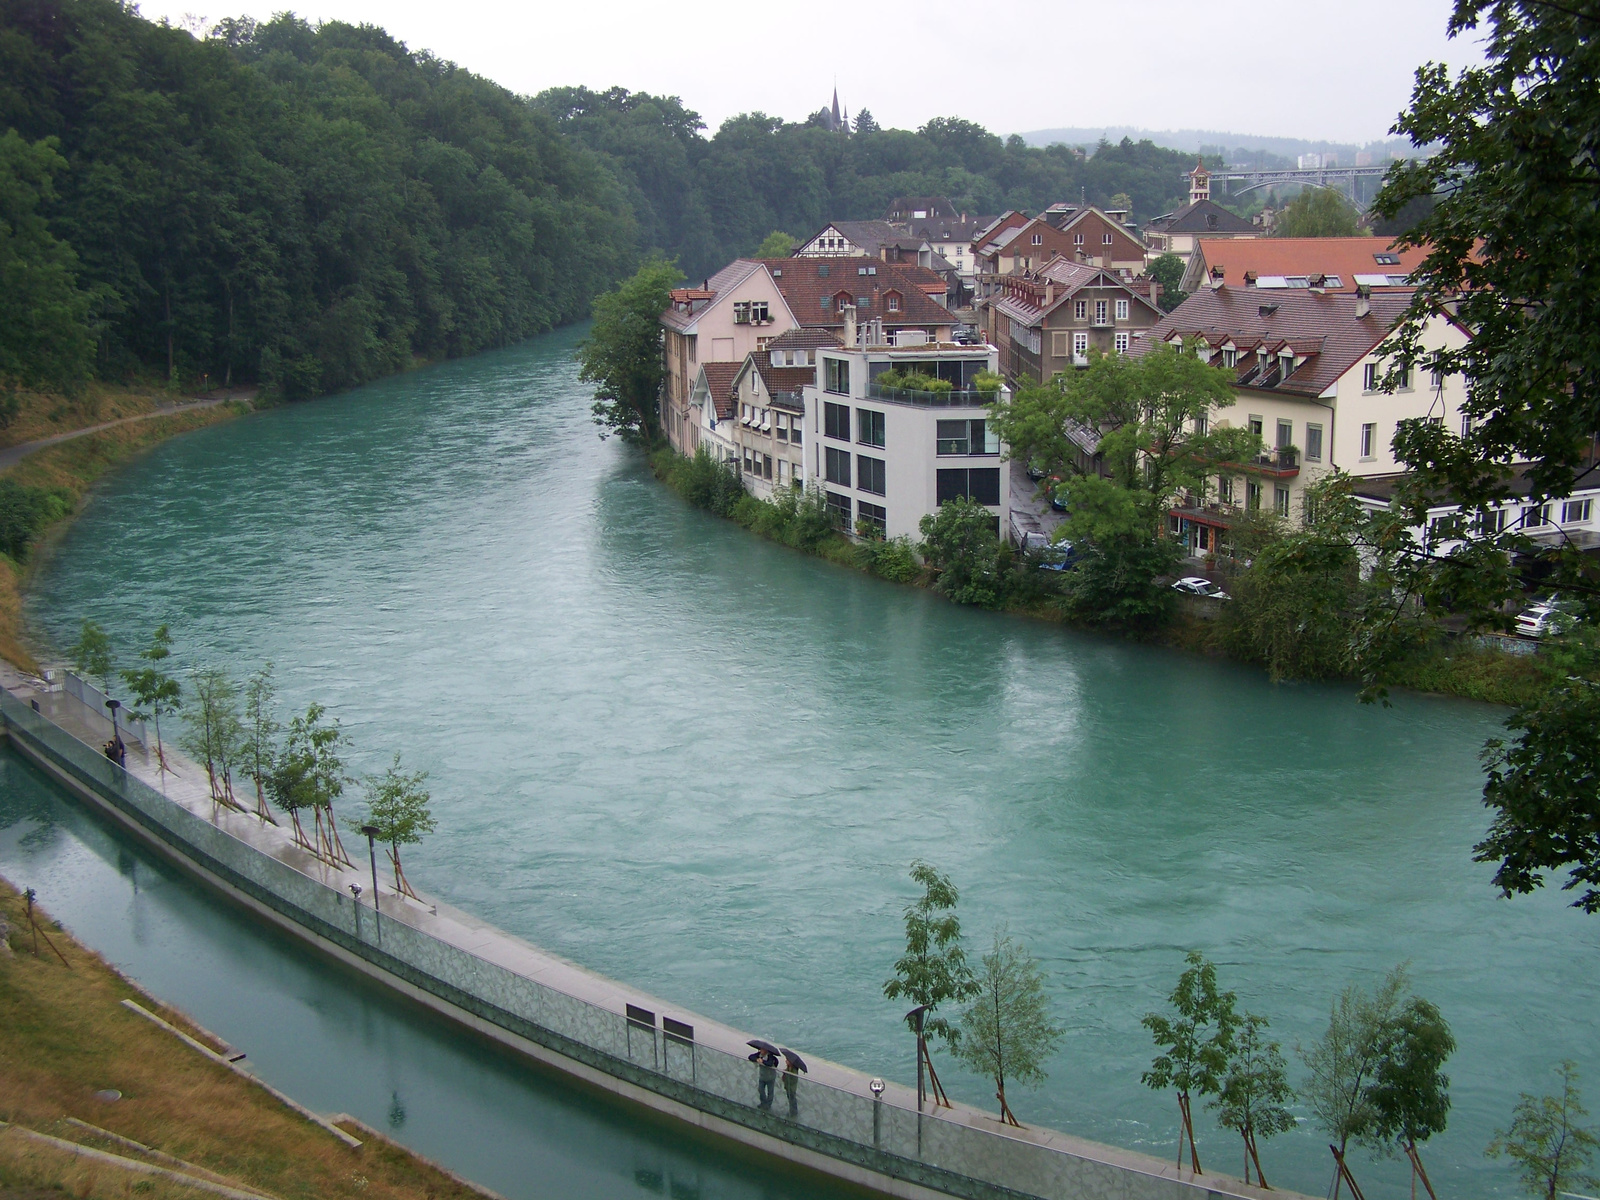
1089	1169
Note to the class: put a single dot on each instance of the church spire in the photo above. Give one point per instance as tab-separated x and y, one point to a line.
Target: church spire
835	123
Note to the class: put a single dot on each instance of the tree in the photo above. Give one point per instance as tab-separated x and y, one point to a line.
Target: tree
777	244
622	353
1317	212
214	730
397	804
959	540
1410	1091
1547	1142
1121	202
866	122
310	774
1196	1043
261	729
933	970
44	314
1167	270
1255	1093
1145	413
92	654
153	690
1006	1031
1344	1064
1514	162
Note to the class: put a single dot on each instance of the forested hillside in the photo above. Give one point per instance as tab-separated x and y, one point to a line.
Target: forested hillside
309	207
705	200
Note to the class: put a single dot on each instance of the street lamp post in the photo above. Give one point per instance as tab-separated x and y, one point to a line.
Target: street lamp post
355	896
372	832
877	1111
116	736
916	1014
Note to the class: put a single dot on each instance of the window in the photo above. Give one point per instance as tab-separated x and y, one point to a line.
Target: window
1106	239
1491	521
827	304
1101	309
874	515
781	429
1122	310
837	466
863	301
1576	511
1122	342
869	427
836	420
954	437
1225	489
802	358
1313	443
1387	260
1201	424
1058	344
1080	310
836	378
693	344
1371	377
1252	496
766	466
1536	516
1230	357
1080	344
795	425
839	510
869	474
981	484
1280	500
1038	239
892	301
758	312
1256	425
1285	434
1369	441
1077	239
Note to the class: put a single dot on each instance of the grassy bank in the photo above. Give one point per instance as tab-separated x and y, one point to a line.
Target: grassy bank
47	488
1450	668
64	1036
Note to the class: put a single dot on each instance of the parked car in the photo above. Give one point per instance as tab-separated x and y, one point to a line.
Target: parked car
1059	557
1036	472
1050	486
1193	585
1542	618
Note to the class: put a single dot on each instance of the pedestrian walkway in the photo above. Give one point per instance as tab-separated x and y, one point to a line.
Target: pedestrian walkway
12	455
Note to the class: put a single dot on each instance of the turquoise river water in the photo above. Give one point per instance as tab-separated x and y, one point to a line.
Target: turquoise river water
701	763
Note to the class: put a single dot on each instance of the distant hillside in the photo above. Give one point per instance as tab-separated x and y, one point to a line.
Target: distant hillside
1236	147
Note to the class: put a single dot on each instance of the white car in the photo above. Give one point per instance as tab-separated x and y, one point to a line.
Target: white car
1542	618
1194	585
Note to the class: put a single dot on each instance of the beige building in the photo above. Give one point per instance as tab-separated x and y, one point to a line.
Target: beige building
1308	377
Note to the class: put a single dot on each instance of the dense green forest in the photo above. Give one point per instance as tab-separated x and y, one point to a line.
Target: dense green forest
706	200
311	206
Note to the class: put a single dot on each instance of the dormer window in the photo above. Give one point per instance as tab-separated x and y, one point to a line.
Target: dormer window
891	301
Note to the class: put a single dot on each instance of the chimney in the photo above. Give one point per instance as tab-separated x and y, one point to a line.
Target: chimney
1363	301
1049	294
1249	279
849	311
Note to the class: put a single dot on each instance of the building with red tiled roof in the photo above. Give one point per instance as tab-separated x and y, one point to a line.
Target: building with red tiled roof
769	430
817	291
1341	263
1047	321
1307	369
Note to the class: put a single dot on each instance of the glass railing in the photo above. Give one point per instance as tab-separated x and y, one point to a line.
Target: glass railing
955	398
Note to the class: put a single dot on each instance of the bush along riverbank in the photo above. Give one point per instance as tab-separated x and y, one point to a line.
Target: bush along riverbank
1121	589
40	495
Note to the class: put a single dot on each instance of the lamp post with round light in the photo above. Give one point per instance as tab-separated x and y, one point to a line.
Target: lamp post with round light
372	832
116	736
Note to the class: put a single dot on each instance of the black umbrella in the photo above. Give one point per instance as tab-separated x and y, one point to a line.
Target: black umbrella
796	1063
764	1047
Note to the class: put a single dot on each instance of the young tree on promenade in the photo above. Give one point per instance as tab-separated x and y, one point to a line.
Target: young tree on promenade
1006	1032
1410	1091
154	691
397	804
309	773
934	969
1255	1092
1196	1043
92	654
622	354
1512	233
261	729
1344	1065
214	731
1546	1141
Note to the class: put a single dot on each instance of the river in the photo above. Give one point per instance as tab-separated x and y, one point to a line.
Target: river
702	763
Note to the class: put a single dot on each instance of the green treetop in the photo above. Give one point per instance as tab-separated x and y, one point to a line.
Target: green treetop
1006	1030
1548	1143
92	654
622	354
154	691
1255	1094
397	805
777	244
1317	212
933	970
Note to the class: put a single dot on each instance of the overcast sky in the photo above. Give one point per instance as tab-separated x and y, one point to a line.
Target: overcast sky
1302	68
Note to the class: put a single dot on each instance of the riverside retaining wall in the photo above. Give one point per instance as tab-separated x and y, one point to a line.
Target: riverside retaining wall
884	1144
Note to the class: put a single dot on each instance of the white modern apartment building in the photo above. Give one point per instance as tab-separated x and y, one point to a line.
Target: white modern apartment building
886	457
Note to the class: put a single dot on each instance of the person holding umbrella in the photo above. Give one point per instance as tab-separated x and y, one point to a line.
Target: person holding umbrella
793	1064
766	1060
